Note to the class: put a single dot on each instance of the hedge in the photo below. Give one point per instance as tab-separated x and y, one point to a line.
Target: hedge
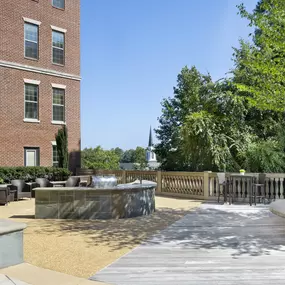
31	173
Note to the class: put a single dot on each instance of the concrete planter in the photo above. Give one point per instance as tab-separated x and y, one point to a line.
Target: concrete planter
11	243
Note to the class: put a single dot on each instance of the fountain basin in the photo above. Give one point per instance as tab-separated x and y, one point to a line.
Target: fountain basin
122	201
104	182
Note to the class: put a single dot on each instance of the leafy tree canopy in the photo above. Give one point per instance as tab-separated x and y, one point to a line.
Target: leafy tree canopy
263	61
232	123
98	158
140	157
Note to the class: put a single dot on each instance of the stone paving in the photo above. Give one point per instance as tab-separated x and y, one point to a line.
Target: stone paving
6	280
215	244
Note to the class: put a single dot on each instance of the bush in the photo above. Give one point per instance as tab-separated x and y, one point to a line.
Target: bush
264	156
31	173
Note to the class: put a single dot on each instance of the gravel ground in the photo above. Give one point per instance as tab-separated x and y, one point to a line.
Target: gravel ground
82	247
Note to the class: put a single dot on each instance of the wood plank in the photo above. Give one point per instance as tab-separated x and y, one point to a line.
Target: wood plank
215	244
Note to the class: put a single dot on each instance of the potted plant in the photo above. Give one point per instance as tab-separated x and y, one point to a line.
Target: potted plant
242	171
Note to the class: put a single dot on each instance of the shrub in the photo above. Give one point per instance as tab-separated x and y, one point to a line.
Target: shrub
62	147
31	173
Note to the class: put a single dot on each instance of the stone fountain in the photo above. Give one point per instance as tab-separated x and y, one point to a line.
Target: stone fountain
103	199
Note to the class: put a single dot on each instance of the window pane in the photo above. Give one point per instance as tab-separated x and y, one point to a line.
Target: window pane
55	164
57	39
31	101
58	56
30	158
58	104
31	49
31	92
58	3
54	156
31	32
31	110
58	96
31	40
58	113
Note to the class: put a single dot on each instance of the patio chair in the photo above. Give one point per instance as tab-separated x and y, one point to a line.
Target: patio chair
258	188
225	185
4	195
72	181
23	189
11	193
43	182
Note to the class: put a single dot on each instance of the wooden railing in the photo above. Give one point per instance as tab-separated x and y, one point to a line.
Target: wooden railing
196	185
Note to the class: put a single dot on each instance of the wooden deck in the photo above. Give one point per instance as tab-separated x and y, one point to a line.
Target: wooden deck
224	245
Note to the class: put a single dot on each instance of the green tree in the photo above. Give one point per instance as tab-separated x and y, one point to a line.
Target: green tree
98	158
262	61
202	126
236	122
140	157
128	156
62	147
119	152
213	135
190	83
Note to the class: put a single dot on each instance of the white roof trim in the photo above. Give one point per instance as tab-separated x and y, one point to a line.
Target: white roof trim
60	86
53	142
58	29
31	81
31	21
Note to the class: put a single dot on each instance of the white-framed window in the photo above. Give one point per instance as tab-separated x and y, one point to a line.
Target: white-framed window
31	101
58	4
31	40
58	47
58	105
31	156
54	156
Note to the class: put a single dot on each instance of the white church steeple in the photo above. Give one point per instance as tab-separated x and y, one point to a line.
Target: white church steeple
150	154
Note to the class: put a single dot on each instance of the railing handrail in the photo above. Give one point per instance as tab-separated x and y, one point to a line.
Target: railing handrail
202	185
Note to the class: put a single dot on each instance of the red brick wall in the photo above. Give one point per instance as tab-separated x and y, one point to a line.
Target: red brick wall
12	32
15	134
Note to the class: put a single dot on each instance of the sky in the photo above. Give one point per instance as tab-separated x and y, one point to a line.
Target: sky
132	52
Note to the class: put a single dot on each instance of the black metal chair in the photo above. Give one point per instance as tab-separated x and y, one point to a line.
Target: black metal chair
4	195
23	189
258	188
43	182
225	185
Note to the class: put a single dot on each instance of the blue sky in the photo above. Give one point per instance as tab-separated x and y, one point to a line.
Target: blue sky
132	52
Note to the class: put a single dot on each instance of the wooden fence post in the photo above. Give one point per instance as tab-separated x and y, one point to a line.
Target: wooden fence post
124	177
159	182
206	183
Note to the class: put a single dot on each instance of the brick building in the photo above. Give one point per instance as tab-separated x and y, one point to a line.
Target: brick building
39	80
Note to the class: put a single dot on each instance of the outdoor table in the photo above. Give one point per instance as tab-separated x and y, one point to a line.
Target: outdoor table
58	183
4	185
32	184
249	178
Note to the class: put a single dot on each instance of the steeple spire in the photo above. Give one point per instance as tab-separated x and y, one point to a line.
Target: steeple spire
150	142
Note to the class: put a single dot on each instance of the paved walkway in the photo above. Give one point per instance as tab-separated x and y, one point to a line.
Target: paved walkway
225	245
